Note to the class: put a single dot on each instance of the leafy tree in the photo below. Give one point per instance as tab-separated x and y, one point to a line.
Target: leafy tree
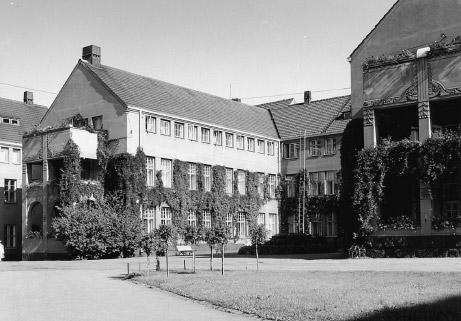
258	235
150	243
221	235
192	234
166	235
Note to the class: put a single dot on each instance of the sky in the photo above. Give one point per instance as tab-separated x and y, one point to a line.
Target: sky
233	48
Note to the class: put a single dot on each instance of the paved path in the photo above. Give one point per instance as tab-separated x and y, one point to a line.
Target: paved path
40	292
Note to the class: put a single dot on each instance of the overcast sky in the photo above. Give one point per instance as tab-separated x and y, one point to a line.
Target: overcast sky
259	47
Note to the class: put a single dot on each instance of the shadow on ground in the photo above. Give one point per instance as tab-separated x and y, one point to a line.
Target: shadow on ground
448	309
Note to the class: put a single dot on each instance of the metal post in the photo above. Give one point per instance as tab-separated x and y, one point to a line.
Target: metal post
304	182
184	265
128	269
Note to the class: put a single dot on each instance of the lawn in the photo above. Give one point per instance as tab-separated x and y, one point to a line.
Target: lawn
323	295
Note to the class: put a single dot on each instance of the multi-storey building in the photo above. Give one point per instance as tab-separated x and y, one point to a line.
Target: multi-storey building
310	134
167	122
15	118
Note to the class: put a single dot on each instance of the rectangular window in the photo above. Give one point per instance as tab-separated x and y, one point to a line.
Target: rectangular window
217	137
206	219
229	180
261	146
192	172
240	142
250	144
14	122
290	151
229	220
192	218
97	122
314	147
179	130
270	148
205	135
286	151
261	184
272	185
4	154
330	146
151	124
165	127
330	182
273	224
165	216
316	183
291	224
229	140
10	236
261	219
193	132
331	224
10	191
207	178
148	219
241	176
291	189
241	224
16	156
165	166
150	171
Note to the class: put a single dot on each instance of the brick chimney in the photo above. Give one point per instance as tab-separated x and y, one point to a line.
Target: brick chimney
28	98
92	54
307	97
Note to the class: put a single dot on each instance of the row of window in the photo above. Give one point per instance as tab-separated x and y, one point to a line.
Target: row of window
10	155
241	223
314	149
8	120
220	138
319	183
166	169
322	226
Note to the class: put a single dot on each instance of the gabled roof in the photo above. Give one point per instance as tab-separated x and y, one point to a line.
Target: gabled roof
277	104
29	116
315	119
370	34
158	96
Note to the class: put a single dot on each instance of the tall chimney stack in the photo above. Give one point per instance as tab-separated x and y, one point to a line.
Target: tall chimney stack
28	98
307	97
92	54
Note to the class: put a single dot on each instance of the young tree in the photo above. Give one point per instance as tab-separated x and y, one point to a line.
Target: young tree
150	243
210	239
221	236
258	235
192	235
166	235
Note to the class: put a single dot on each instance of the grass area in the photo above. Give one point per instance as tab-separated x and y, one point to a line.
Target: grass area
302	295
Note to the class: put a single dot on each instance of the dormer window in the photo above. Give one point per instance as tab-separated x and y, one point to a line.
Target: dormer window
8	120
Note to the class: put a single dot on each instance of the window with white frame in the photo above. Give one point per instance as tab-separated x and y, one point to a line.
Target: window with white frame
150	171
217	137
261	184
16	156
192	172
206	216
193	132
148	219
229	180
273	224
151	124
4	154
241	182
330	182
10	191
291	150
192	218
250	144
207	178
241	224
330	146
261	219
316	183
179	130
97	122
316	227
292	224
165	127
331	224
10	121
291	186
205	135
229	140
165	166
272	185
10	236
270	148
229	220
240	142
261	146
165	216
314	147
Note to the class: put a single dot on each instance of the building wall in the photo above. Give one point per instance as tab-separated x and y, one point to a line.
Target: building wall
10	213
411	23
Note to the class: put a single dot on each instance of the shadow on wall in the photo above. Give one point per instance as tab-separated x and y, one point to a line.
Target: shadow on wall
448	309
